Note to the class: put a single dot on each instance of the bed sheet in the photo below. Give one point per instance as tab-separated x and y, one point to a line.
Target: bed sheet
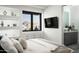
39	46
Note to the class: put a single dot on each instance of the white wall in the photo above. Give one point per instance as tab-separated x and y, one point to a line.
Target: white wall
75	17
55	35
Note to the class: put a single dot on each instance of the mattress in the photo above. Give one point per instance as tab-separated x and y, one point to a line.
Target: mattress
39	46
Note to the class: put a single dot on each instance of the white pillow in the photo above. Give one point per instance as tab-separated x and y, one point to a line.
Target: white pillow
7	45
17	45
23	43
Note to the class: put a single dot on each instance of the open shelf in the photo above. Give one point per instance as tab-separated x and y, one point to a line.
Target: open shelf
6	17
6	28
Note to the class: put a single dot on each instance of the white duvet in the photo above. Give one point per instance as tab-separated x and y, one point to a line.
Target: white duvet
39	46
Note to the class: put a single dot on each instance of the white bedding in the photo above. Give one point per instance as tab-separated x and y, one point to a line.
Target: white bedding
39	46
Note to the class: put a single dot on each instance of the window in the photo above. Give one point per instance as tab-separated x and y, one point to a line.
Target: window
31	21
26	22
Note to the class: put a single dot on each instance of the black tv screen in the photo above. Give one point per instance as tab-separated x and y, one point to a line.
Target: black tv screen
51	22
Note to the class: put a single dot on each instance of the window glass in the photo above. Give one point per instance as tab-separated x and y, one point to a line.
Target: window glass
36	22
26	23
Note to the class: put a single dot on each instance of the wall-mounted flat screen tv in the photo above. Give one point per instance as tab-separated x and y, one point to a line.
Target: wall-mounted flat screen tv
51	22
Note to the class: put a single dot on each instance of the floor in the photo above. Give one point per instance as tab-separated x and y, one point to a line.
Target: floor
75	47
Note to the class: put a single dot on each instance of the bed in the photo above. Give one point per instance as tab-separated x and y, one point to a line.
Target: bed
43	46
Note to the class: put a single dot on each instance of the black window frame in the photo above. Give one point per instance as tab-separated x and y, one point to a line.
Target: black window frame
33	13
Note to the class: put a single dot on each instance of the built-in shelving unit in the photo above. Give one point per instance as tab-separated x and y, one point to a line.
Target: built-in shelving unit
10	21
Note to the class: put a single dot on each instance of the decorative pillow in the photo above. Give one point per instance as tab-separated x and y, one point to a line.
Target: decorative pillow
17	45
23	43
7	45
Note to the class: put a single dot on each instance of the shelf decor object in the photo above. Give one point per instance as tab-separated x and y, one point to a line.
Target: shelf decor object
12	14
8	25
2	24
4	12
14	25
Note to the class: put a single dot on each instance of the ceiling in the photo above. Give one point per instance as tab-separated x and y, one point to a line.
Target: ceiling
43	7
40	6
